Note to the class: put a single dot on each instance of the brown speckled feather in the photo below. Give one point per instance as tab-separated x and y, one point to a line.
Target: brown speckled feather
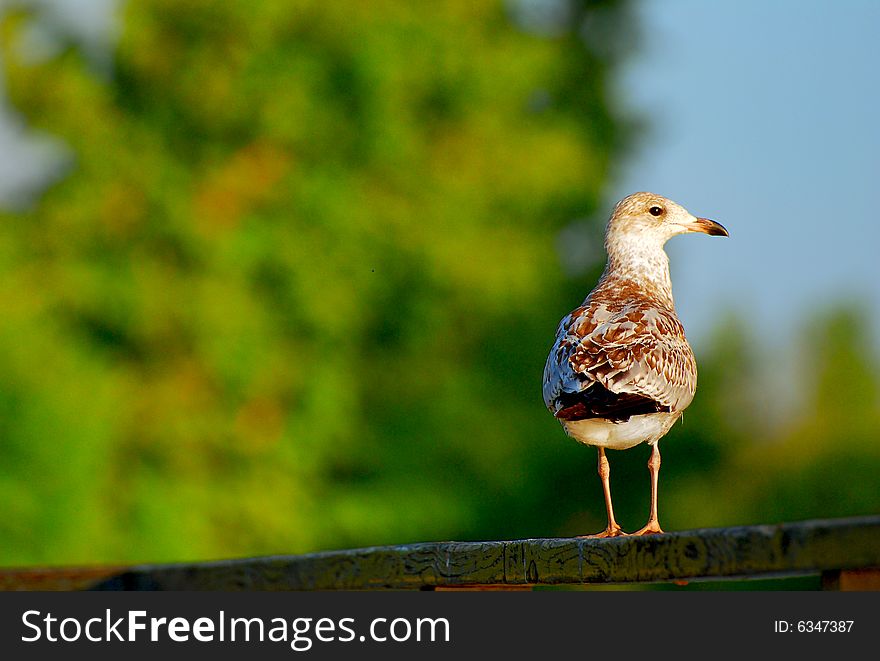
619	355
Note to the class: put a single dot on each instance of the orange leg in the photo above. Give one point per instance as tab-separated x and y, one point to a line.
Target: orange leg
613	529
653	525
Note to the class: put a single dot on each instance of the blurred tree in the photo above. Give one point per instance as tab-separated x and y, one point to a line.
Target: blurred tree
822	462
827	461
297	288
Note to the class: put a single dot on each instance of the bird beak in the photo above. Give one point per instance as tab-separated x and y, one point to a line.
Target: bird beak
709	227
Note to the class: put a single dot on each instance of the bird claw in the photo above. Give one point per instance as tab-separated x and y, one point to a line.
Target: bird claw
610	531
652	528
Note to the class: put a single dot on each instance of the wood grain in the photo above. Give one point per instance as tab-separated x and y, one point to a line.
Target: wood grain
806	547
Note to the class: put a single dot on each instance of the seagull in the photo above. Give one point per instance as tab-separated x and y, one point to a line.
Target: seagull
621	371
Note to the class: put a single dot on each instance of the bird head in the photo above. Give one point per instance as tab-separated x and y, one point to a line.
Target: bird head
652	220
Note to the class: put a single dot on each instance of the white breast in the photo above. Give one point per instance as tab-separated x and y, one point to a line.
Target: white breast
621	435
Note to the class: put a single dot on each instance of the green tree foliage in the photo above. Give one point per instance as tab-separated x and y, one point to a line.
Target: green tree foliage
296	289
821	460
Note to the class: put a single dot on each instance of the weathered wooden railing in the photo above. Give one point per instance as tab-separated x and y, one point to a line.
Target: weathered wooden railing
845	552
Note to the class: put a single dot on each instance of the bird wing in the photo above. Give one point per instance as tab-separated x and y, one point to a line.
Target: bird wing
618	360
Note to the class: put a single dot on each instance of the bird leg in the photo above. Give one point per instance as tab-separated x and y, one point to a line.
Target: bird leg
613	529
653	525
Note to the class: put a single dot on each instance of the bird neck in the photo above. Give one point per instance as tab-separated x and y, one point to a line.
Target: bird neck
640	268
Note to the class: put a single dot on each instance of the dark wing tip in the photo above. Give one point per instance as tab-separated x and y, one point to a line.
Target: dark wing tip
599	402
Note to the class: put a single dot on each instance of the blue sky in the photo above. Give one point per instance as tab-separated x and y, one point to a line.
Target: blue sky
764	116
761	115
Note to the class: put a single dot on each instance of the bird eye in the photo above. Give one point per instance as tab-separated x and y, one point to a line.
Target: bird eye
656	211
